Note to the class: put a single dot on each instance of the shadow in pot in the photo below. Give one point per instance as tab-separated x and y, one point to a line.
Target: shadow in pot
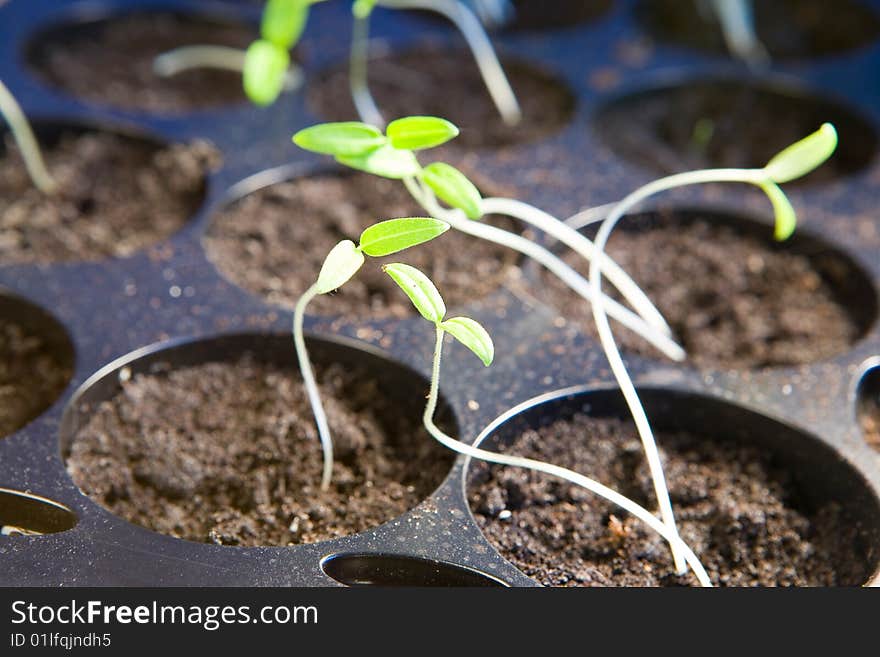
868	406
214	441
396	570
24	514
760	502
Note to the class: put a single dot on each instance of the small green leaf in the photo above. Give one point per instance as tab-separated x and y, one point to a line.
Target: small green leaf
363	8
419	289
283	21
802	157
341	264
385	161
387	237
471	335
265	66
452	186
345	139
415	132
786	220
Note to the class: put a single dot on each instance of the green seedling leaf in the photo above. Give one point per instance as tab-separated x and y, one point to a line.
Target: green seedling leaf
471	335
345	139
453	187
419	289
416	132
283	21
265	66
341	264
363	8
385	161
395	235
802	157
786	220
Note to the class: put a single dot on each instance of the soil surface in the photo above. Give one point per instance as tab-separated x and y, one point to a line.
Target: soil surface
110	62
734	506
448	84
32	375
724	123
116	195
787	28
274	241
229	454
732	299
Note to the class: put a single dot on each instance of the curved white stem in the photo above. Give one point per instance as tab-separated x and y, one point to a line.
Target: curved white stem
606	337
27	142
583	247
589	216
305	367
481	47
357	73
547	259
187	58
737	21
556	471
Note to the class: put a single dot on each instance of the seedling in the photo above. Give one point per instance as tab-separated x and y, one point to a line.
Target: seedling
267	69
343	262
793	162
471	334
393	155
27	142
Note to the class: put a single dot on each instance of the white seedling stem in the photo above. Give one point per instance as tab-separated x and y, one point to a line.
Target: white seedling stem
583	247
547	259
606	337
27	142
357	73
666	531
311	385
478	41
187	58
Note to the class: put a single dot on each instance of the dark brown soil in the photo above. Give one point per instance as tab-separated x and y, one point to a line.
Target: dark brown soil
734	506
32	375
110	62
448	84
117	195
273	242
789	29
869	409
229	454
733	299
724	123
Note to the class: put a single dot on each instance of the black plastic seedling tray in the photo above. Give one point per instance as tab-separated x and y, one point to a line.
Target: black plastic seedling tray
168	304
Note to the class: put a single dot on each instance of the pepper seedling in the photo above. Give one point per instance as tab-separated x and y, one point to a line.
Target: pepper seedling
28	145
342	262
393	155
427	300
789	164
